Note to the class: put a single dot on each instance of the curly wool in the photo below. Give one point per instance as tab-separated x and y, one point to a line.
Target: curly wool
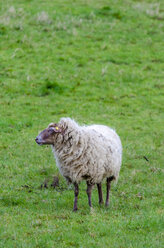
89	153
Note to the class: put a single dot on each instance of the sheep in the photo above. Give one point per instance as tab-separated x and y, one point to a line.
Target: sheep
89	153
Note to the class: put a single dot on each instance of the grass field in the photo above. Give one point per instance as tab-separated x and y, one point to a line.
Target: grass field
97	62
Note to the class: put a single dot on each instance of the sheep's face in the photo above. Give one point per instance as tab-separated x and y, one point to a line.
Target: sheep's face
48	135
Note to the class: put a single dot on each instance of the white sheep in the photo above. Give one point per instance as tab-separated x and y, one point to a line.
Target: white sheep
89	153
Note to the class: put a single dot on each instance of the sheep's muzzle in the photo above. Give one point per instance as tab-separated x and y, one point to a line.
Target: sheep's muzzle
45	137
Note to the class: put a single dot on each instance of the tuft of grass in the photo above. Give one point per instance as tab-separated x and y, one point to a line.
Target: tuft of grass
49	87
106	11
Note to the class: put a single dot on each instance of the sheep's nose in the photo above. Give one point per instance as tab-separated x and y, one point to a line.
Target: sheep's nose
36	139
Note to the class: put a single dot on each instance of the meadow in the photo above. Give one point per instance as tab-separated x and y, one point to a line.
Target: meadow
97	62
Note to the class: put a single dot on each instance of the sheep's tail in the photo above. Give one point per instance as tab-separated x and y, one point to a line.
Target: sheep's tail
115	179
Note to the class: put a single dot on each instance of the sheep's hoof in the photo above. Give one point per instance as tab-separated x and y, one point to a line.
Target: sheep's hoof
92	210
101	203
107	205
75	209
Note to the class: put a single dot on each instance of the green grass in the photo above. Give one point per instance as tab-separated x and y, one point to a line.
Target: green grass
98	62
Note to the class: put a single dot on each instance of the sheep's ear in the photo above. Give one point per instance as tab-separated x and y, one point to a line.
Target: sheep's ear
55	128
51	125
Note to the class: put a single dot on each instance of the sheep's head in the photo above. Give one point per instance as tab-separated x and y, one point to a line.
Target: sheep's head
49	135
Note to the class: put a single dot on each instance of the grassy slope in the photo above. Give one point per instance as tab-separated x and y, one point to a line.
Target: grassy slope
98	62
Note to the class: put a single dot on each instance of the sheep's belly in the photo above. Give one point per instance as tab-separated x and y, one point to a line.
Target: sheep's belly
92	173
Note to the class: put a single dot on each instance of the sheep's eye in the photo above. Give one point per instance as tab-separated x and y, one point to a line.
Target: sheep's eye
50	130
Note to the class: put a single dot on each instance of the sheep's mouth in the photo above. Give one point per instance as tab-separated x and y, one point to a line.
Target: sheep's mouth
39	142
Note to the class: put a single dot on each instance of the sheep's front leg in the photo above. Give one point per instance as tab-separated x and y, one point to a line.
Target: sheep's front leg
100	193
76	192
108	186
89	192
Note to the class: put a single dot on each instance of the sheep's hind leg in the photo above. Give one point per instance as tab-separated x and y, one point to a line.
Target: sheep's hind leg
76	192
100	193
89	192
108	186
